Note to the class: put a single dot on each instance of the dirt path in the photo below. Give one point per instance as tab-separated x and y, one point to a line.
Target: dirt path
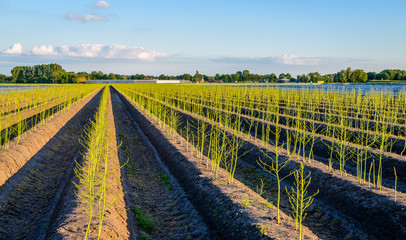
27	207
150	188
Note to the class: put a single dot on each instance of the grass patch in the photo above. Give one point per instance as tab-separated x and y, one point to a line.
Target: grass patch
130	169
246	202
145	236
165	180
144	219
124	144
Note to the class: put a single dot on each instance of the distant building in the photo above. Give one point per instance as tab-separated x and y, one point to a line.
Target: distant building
284	80
216	81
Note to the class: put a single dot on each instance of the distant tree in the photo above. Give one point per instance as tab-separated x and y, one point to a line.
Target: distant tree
328	78
281	76
197	76
236	77
186	77
217	77
371	75
398	76
112	76
2	78
349	72
391	73
227	78
272	77
315	77
97	75
246	75
342	76
359	76
382	76
16	73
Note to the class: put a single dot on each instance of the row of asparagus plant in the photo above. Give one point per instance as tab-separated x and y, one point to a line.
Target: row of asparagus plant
92	173
384	125
299	135
339	128
371	104
23	110
221	144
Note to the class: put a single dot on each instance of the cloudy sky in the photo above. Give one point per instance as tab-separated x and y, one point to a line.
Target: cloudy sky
212	36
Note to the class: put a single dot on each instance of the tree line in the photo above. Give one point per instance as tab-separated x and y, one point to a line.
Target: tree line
356	76
54	73
44	73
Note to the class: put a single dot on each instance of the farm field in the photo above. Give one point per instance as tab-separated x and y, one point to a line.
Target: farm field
148	161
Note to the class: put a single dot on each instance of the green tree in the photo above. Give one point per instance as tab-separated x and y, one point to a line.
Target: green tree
227	78
197	76
342	76
16	73
2	78
186	77
96	75
349	72
281	76
112	76
382	76
328	78
398	76
272	77
236	77
246	76
371	75
359	76
315	76
391	73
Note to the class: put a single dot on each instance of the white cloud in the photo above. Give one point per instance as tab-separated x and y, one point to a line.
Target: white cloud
15	49
112	51
85	18
296	60
44	50
101	4
279	60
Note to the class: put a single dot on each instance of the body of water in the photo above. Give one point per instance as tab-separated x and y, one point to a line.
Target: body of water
395	88
6	88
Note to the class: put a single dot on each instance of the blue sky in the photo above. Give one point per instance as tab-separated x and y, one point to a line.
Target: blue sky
223	36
